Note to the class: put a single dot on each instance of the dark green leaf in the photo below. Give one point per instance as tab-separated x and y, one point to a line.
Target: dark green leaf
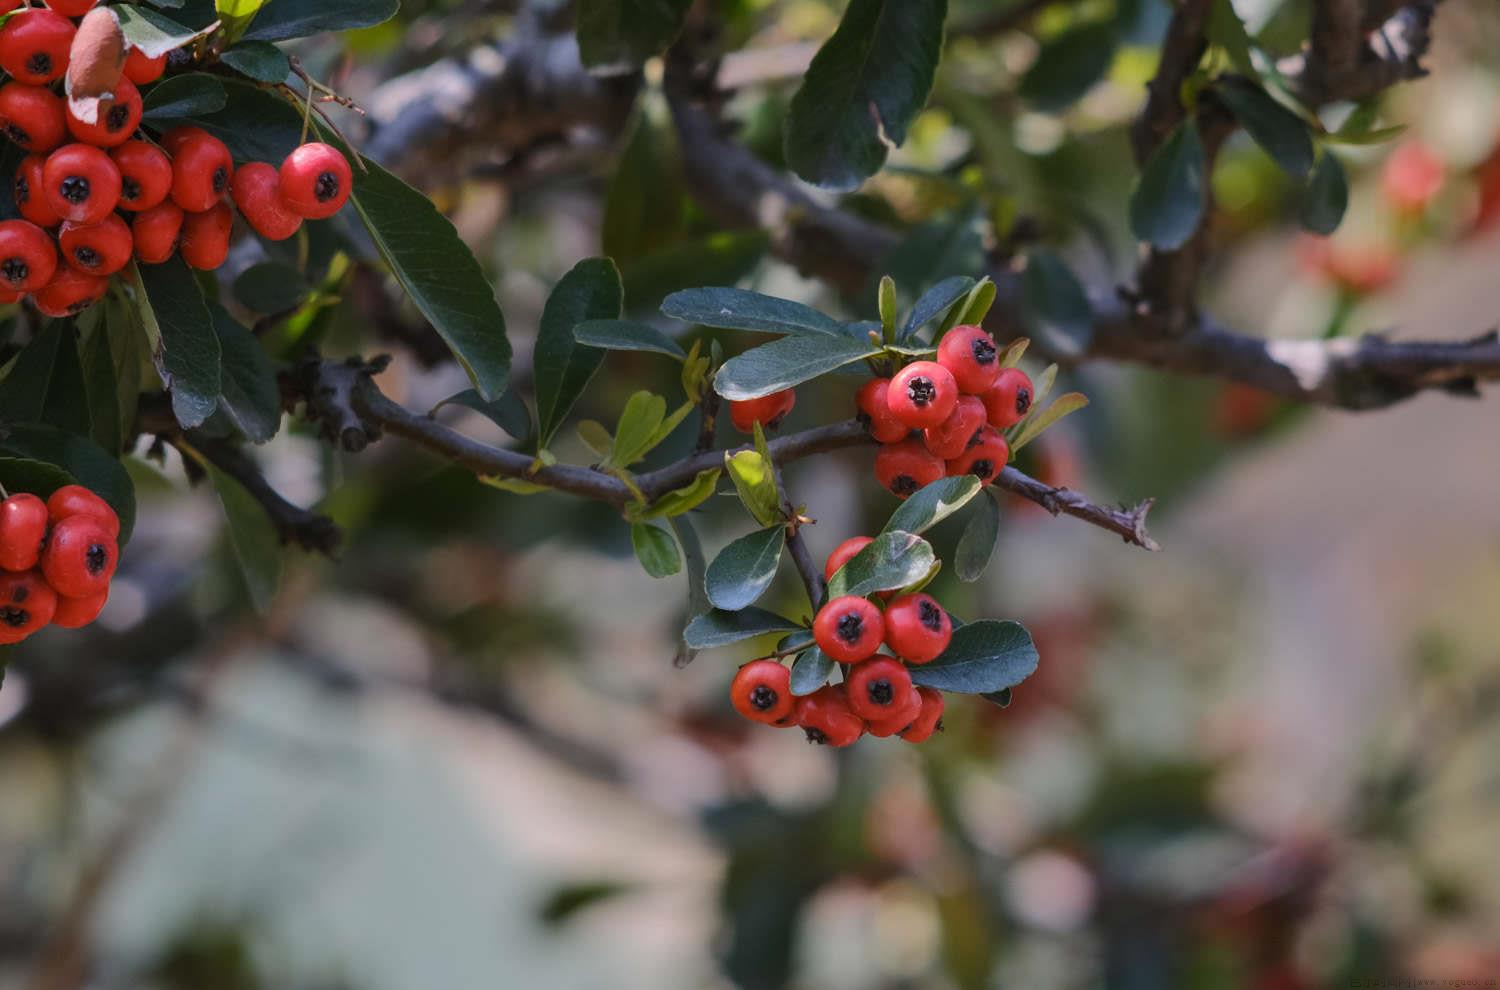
88	464
1282	134
256	125
184	96
260	60
626	335
740	309
935	302
786	362
45	384
984	657
1001	698
863	89
257	547
697	570
976	547
1226	30
282	19
894	559
655	549
743	571
186	348
619	35
270	288
251	398
153	33
811	671
644	204
22	474
1069	65
508	412
933	503
102	389
1169	195
1326	197
720	628
591	291
1054	305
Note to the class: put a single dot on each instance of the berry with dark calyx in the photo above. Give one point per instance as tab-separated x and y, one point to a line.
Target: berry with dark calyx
28	193
70	292
876	413
316	180
80	557
827	719
201	168
970	354
34	117
843	553
34	46
81	183
1009	399
99	248
142	69
768	410
145	175
762	692
917	629
952	437
26	605
256	191
879	688
72	8
922	394
929	720
155	232
985	459
204	242
75	613
904	468
76	500
23	530
28	258
116	121
849	629
899	718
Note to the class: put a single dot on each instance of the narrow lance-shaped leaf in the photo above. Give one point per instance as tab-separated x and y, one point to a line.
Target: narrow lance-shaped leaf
184	96
1168	199
1326	197
257	547
786	362
185	345
721	628
627	335
976	547
933	503
283	19
590	291
892	560
155	34
680	500
743	571
1065	404
1282	134
697	567
741	309
250	395
934	302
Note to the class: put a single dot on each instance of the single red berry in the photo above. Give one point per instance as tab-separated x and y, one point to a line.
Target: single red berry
201	168
984	459
98	248
34	45
28	258
316	180
849	629
905	467
7	296
115	123
898	719
256	191
75	613
72	8
875	412
768	410
879	688
204	243
917	629
762	691
26	605
141	69
922	394
80	557
145	175
843	553
70	292
952	437
1010	398
81	183
29	198
76	500
23	530
827	719
155	232
34	117
971	355
929	720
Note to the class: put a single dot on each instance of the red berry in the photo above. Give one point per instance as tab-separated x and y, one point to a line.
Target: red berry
34	46
876	413
905	467
70	292
1010	398
843	553
827	719
80	557
34	117
952	437
922	394
899	717
970	354
141	69
929	720
29	198
985	459
7	296
256	190
28	258
880	688
100	248
81	183
6	6
115	122
849	629
204	243
76	500
768	410
155	232
145	175
75	613
201	168
762	691
316	180
26	605
917	629
23	530
72	8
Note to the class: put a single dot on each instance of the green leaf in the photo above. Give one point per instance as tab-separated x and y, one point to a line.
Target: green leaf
153	33
655	549
595	437
1326	197
756	486
270	288
644	204
743	571
811	671
786	362
185	345
102	389
619	35
680	500
1359	127
508	412
1069	65
642	416
1065	404
283	19
22	474
236	15
564	367
892	560
627	335
975	307
45	382
260	60
984	657
976	547
1167	202
886	299
932	504
1226	30
1055	306
1001	698
129	352
721	628
741	309
184	96
85	461
1280	132
863	89
250	398
257	547
935	302
692	553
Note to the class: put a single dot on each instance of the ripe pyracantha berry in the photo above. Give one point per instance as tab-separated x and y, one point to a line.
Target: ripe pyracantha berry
145	175
970	354
81	183
28	258
70	292
880	688
843	553
256	189
34	46
849	629
76	500
929	720
922	394
34	117
917	629
1008	401
875	412
762	692
80	557
155	232
204	240
768	410
75	613
826	717
984	459
26	605
142	69
904	468
316	180
23	530
116	121
99	248
897	718
952	437
201	168
29	196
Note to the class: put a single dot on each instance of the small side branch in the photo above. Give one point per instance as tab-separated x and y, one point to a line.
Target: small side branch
295	525
1130	524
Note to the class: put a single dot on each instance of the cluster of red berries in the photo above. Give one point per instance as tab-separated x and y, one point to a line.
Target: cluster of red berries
99	193
56	560
877	696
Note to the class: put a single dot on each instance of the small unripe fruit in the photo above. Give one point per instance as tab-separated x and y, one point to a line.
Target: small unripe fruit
80	558
904	468
844	553
1009	400
917	629
952	437
23	530
762	691
985	459
26	605
922	394
929	720
826	718
880	689
849	629
316	180
768	410
875	412
970	354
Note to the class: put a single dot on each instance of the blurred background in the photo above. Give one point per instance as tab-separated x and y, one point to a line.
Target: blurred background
459	756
